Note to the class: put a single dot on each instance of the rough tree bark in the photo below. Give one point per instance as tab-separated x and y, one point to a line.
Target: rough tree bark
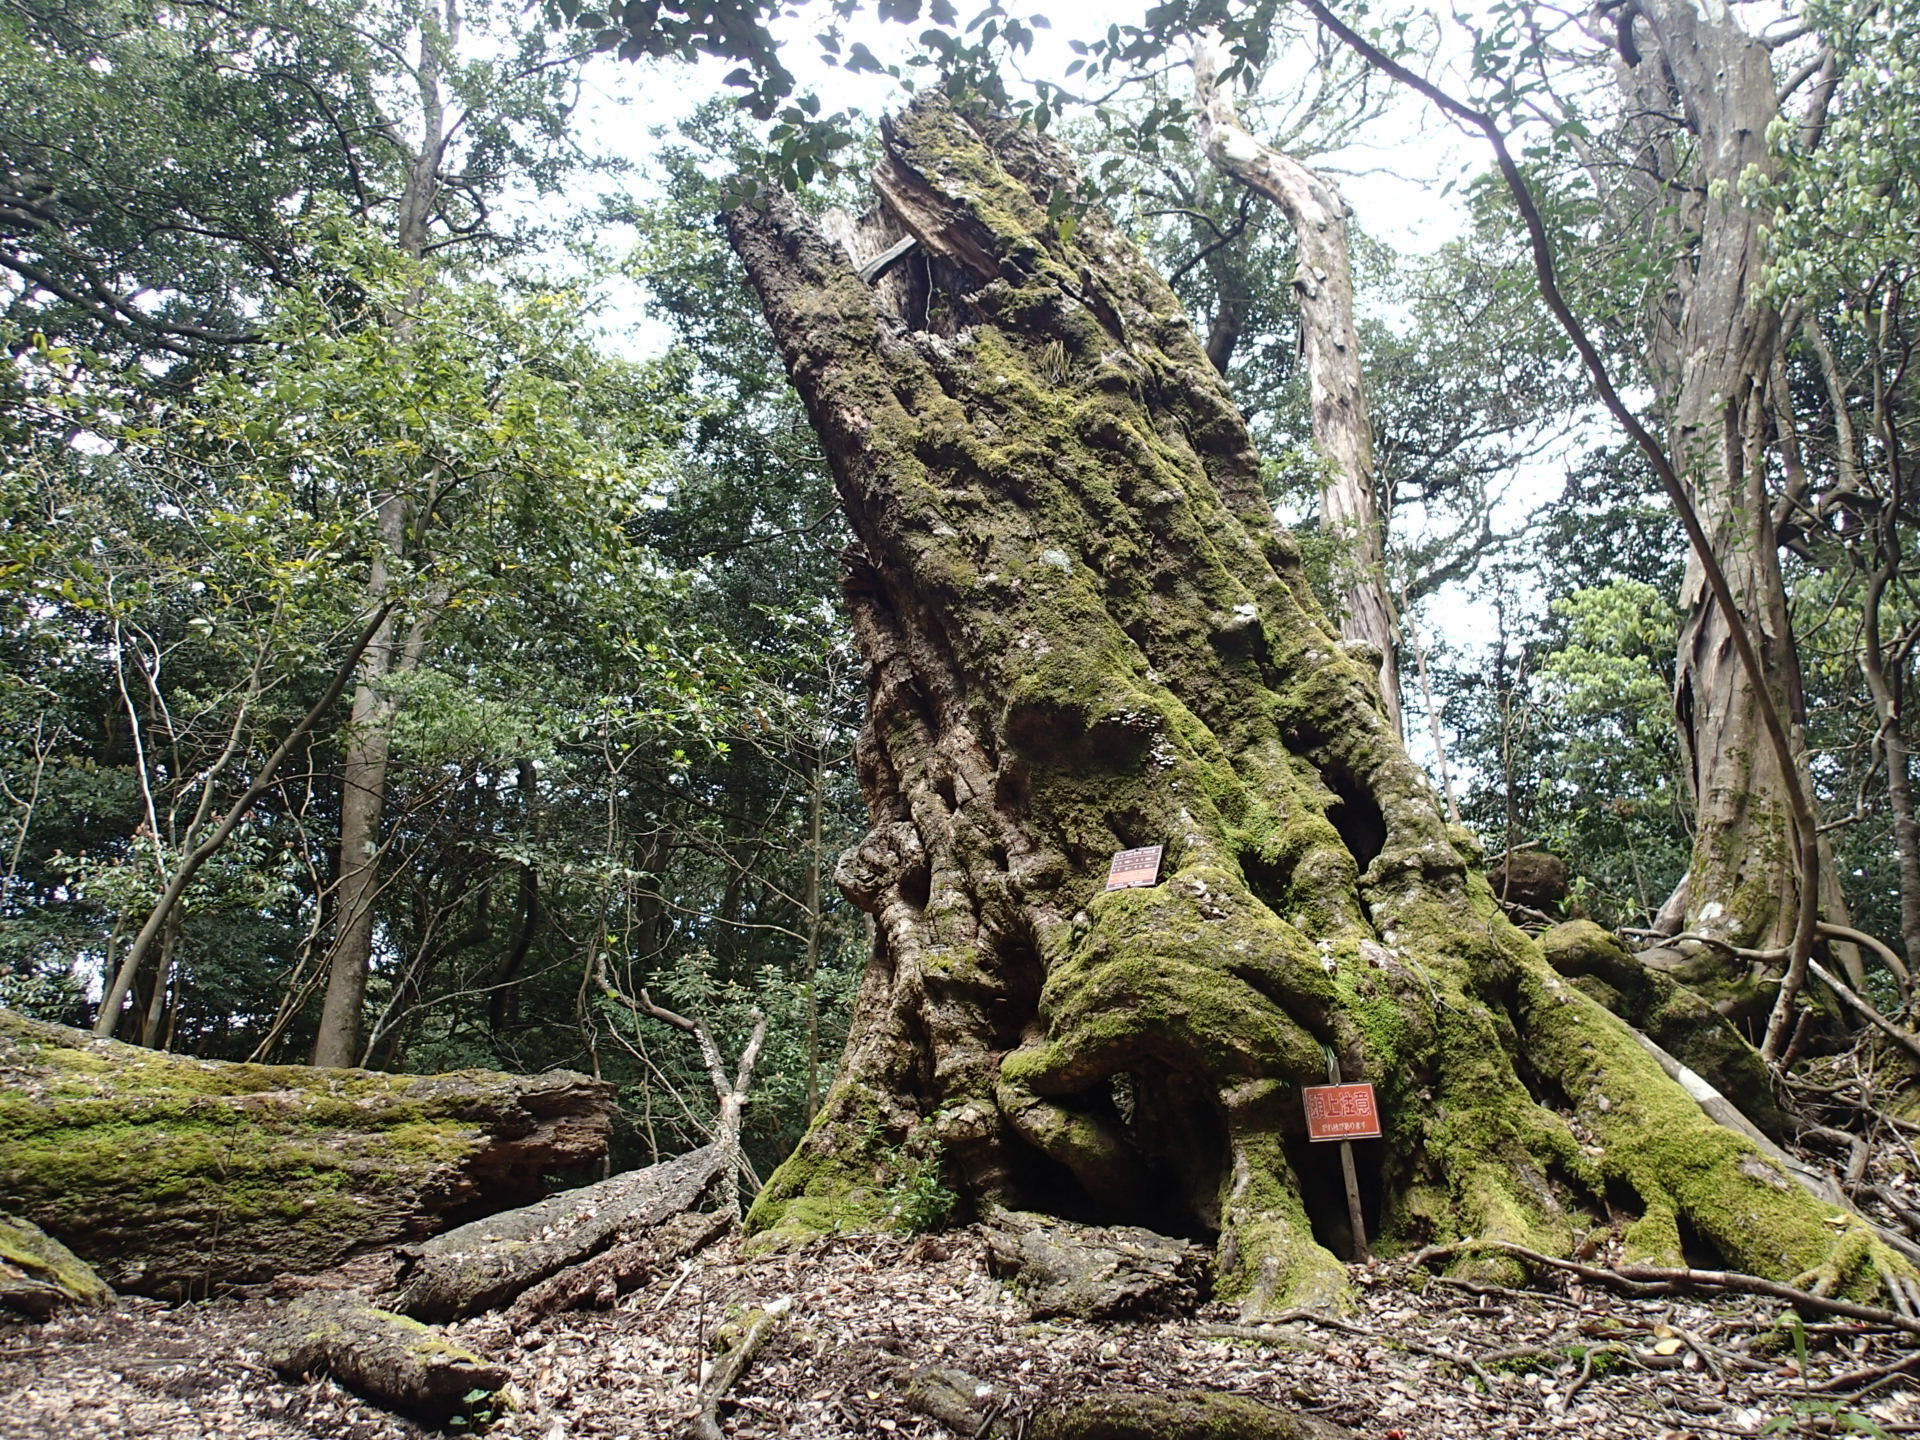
1703	94
1330	353
1085	633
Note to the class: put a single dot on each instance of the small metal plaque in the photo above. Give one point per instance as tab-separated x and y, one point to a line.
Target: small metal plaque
1341	1112
1135	869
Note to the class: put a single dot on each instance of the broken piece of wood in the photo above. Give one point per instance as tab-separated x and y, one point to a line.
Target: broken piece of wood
731	1365
400	1363
489	1262
624	1268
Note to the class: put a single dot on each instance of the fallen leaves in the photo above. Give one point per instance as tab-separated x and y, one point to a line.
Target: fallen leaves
866	1310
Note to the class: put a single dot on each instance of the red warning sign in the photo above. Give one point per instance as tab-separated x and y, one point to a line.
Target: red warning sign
1341	1112
1133	869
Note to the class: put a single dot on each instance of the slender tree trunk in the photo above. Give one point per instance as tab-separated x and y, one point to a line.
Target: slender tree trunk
1084	634
816	800
368	741
363	792
1330	352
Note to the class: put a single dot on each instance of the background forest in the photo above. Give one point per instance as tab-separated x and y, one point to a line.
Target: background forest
398	671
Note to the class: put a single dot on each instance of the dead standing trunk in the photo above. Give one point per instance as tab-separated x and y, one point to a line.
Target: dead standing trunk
1084	633
1330	354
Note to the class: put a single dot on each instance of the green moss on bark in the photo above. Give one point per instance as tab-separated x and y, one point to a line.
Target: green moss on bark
39	1275
179	1175
1086	636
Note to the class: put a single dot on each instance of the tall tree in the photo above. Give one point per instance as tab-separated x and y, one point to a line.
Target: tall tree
455	137
1702	97
1084	633
1330	353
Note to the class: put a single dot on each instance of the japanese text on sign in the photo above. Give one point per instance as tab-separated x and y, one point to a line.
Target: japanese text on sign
1341	1112
1132	869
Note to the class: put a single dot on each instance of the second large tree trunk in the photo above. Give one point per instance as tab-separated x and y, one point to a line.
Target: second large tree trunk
1703	94
1330	354
1085	634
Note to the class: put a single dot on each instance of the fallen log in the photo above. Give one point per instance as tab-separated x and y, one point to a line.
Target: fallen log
179	1177
396	1362
39	1275
626	1267
489	1262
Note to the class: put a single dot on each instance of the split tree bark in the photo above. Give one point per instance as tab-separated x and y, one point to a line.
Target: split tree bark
1084	633
1330	353
1703	95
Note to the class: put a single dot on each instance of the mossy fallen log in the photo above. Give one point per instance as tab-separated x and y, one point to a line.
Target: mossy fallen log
39	1275
396	1362
490	1261
179	1177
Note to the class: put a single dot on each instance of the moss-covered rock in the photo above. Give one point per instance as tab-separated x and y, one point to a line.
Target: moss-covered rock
178	1176
39	1275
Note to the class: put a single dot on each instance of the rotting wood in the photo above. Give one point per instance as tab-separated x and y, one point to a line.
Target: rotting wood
600	1281
39	1275
487	1263
179	1177
730	1365
400	1363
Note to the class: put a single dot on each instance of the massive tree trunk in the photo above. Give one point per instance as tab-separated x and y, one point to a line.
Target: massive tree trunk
1330	354
1703	92
1084	633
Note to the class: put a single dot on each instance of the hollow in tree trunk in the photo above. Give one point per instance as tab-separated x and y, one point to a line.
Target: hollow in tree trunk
1084	633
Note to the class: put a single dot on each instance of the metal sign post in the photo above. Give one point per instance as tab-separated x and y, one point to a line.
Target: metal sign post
1345	1113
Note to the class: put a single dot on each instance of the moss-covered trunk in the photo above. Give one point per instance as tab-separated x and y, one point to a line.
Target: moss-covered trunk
1086	634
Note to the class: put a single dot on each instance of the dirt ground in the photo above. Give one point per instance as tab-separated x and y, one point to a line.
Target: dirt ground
1420	1357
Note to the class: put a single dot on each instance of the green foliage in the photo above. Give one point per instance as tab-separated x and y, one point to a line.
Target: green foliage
919	1199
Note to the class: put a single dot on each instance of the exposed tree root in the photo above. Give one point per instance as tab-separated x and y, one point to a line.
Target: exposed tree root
1666	1279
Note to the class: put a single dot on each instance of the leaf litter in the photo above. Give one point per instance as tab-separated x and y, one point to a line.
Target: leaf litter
1419	1357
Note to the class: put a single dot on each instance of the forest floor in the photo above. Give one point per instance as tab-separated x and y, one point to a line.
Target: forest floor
1419	1357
